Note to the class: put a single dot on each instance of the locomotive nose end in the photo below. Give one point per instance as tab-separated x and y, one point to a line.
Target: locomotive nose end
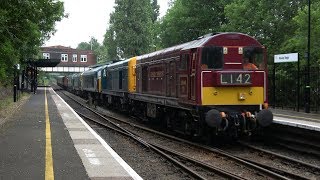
213	118
265	118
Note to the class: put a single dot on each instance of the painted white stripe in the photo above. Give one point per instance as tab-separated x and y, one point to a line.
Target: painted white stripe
233	63
91	156
130	171
296	124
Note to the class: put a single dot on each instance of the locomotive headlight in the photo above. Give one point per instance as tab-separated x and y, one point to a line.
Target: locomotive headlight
225	50
240	50
242	96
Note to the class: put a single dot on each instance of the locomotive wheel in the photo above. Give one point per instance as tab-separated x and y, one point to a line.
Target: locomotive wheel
210	137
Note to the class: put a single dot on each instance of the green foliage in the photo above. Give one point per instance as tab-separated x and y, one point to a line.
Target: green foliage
298	40
189	19
24	26
93	44
110	43
268	21
99	50
281	25
155	10
84	46
130	30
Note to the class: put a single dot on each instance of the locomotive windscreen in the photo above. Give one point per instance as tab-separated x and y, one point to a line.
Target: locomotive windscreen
255	56
212	57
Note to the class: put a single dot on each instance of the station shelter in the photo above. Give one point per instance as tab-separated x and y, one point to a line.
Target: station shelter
29	77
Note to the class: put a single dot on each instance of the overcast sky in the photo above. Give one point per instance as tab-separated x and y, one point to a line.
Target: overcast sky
86	18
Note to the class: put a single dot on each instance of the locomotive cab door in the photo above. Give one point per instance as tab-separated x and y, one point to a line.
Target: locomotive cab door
183	77
192	75
187	75
171	78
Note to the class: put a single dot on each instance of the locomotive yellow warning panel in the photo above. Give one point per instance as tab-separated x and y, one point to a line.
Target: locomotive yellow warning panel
232	95
132	74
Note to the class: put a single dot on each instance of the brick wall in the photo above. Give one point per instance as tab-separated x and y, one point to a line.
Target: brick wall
56	51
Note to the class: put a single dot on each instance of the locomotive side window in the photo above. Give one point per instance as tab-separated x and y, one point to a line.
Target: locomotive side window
253	58
120	79
109	80
212	57
183	61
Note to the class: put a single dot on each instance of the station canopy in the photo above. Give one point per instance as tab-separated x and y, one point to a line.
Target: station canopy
45	62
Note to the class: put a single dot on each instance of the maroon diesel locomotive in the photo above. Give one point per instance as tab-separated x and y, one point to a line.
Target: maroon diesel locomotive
215	84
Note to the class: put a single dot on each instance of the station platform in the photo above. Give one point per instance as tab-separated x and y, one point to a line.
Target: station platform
45	138
310	121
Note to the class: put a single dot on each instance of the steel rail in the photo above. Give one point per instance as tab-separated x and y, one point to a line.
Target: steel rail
281	156
216	150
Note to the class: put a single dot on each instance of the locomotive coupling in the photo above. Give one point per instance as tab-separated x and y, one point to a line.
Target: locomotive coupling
265	117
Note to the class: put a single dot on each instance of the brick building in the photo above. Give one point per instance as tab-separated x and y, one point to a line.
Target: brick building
72	60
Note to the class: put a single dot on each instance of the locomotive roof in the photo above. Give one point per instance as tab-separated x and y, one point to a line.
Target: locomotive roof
118	63
189	45
184	46
76	75
93	70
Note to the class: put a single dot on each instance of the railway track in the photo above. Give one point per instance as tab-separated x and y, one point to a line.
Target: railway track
265	169
296	145
175	157
190	165
274	161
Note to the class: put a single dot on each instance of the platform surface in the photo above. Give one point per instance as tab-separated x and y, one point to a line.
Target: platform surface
303	120
78	152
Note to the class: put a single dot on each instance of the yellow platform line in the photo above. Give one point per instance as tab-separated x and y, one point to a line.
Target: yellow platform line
49	175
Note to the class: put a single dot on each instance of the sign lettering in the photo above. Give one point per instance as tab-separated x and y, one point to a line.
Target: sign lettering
235	78
280	58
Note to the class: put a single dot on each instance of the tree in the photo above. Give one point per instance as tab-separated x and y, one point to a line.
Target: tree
188	19
270	22
110	43
298	41
24	26
130	30
155	43
98	49
155	10
93	44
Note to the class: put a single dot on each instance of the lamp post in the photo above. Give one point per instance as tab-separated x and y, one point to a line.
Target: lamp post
307	88
15	81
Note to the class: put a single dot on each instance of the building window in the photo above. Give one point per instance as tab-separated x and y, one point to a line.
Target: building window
83	58
64	57
74	58
46	55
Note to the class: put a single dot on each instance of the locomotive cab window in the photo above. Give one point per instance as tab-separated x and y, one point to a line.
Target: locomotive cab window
253	59
212	58
183	61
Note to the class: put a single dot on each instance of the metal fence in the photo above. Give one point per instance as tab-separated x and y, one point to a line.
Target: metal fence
287	88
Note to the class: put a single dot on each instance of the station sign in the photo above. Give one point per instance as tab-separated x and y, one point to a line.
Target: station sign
281	58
